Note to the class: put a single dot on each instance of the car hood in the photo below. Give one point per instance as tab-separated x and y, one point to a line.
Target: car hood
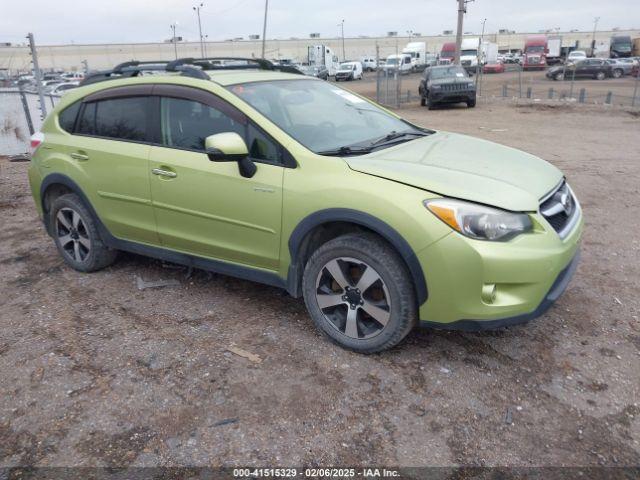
464	167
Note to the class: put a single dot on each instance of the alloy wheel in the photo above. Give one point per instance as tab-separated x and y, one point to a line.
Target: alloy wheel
73	235
353	297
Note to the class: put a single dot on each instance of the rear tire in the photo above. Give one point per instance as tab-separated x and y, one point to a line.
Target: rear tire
558	76
600	76
76	236
423	102
617	73
367	321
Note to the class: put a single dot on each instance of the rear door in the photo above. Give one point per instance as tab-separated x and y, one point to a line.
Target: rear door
110	152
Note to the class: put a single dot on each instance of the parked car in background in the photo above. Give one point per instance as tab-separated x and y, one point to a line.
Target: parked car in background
446	84
73	76
597	68
318	71
621	66
369	64
576	55
62	88
349	71
497	67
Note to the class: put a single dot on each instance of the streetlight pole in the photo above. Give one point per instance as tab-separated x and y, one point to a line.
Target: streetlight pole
593	38
175	45
344	57
197	10
264	27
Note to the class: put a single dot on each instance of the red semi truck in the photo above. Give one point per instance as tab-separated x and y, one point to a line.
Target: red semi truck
535	52
447	53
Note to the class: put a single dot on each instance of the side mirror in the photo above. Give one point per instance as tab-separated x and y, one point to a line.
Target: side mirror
230	147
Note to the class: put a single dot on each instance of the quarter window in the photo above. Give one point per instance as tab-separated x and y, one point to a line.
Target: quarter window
67	118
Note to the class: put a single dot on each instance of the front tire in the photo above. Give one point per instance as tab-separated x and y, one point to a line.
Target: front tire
471	103
559	76
600	76
617	73
359	293
76	236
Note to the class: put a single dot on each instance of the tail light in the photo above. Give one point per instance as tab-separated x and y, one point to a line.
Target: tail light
36	140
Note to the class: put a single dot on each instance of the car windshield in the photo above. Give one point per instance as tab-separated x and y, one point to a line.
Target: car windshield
347	66
392	61
453	71
468	53
535	49
321	116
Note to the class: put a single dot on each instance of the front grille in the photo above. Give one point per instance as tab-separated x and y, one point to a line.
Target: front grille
560	208
453	87
466	62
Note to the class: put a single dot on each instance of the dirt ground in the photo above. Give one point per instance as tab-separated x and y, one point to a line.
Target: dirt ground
94	372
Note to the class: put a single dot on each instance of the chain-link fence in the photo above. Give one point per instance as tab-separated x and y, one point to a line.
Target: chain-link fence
394	89
20	117
519	84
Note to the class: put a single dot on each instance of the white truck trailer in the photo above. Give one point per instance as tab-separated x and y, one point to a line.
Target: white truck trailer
418	52
321	55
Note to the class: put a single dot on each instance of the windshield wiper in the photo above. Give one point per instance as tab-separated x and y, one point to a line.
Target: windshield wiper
393	136
346	150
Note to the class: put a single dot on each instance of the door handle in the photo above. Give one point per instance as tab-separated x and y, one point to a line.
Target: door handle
79	156
164	173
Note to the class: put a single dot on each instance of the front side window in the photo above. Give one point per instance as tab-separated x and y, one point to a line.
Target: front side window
187	123
117	118
319	115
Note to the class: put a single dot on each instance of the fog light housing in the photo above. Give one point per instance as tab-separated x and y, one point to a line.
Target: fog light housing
489	292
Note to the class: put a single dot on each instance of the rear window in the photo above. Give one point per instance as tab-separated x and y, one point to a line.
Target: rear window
117	118
67	117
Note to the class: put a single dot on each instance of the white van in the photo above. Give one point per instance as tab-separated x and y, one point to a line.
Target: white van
400	62
369	64
349	71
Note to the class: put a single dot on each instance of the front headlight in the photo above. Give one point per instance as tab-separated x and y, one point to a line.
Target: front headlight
477	221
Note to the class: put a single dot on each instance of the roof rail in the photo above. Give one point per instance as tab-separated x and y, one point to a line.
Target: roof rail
226	63
188	67
134	68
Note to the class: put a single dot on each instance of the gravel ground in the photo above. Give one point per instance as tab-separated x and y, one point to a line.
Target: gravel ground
94	372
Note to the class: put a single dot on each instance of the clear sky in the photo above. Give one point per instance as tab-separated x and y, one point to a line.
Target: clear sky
95	21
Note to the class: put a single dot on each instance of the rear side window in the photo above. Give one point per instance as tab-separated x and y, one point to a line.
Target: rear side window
117	118
67	118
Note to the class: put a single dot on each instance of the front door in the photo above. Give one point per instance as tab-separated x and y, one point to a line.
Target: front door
207	208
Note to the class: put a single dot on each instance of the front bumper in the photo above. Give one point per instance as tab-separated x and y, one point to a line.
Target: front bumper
441	96
557	289
526	274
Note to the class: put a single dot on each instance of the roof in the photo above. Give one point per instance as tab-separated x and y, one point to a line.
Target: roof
231	77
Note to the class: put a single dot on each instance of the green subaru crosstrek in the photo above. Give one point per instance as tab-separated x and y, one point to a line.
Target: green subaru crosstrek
238	168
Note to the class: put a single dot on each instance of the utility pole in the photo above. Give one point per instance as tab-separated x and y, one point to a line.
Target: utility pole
593	38
264	27
462	9
197	10
341	25
175	45
479	59
37	73
85	66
